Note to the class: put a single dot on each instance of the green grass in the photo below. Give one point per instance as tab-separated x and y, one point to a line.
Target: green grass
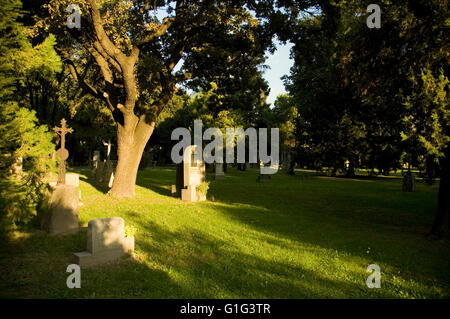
292	237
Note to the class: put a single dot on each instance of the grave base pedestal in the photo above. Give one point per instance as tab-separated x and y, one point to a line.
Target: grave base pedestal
87	259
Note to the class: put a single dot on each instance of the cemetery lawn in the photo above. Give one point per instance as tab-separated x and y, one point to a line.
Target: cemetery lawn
293	237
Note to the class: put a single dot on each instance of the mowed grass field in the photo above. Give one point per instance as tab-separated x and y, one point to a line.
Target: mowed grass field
293	237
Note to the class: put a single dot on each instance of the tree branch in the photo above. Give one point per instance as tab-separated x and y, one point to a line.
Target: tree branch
158	32
108	46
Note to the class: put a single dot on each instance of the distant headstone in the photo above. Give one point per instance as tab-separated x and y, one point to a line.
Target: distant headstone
106	242
218	171
291	168
108	148
174	190
285	159
193	176
62	217
409	182
262	178
104	173
95	159
108	173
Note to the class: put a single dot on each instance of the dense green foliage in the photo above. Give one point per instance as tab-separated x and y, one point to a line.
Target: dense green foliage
375	97
25	147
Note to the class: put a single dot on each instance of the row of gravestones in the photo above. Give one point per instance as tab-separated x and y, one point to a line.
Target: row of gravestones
190	176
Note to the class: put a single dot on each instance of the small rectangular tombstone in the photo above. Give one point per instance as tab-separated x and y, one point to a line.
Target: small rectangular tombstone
219	174
106	242
62	217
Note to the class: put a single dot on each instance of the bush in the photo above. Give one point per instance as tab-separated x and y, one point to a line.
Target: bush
203	188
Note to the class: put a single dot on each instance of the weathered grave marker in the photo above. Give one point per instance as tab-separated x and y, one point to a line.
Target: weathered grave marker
62	152
106	242
409	182
62	217
190	175
218	171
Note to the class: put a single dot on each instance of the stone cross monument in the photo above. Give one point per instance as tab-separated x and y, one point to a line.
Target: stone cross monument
62	152
108	148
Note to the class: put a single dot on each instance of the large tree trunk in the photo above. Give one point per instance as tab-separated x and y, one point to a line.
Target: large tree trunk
131	139
441	223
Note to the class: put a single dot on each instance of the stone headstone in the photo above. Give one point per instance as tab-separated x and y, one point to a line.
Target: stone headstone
95	159
97	172
179	185
219	174
73	179
104	173
108	148
62	217
106	242
409	183
193	176
262	178
108	173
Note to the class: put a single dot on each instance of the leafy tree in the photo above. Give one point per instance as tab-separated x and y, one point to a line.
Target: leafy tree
396	78
124	56
287	118
331	129
25	147
402	74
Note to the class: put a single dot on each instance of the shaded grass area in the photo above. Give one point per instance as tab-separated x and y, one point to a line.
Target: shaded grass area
293	237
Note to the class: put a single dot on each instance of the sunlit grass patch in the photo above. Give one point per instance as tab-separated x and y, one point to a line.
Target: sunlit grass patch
289	238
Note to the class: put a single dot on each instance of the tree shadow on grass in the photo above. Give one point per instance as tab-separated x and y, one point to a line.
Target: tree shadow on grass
34	266
160	180
414	256
208	267
102	188
157	180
